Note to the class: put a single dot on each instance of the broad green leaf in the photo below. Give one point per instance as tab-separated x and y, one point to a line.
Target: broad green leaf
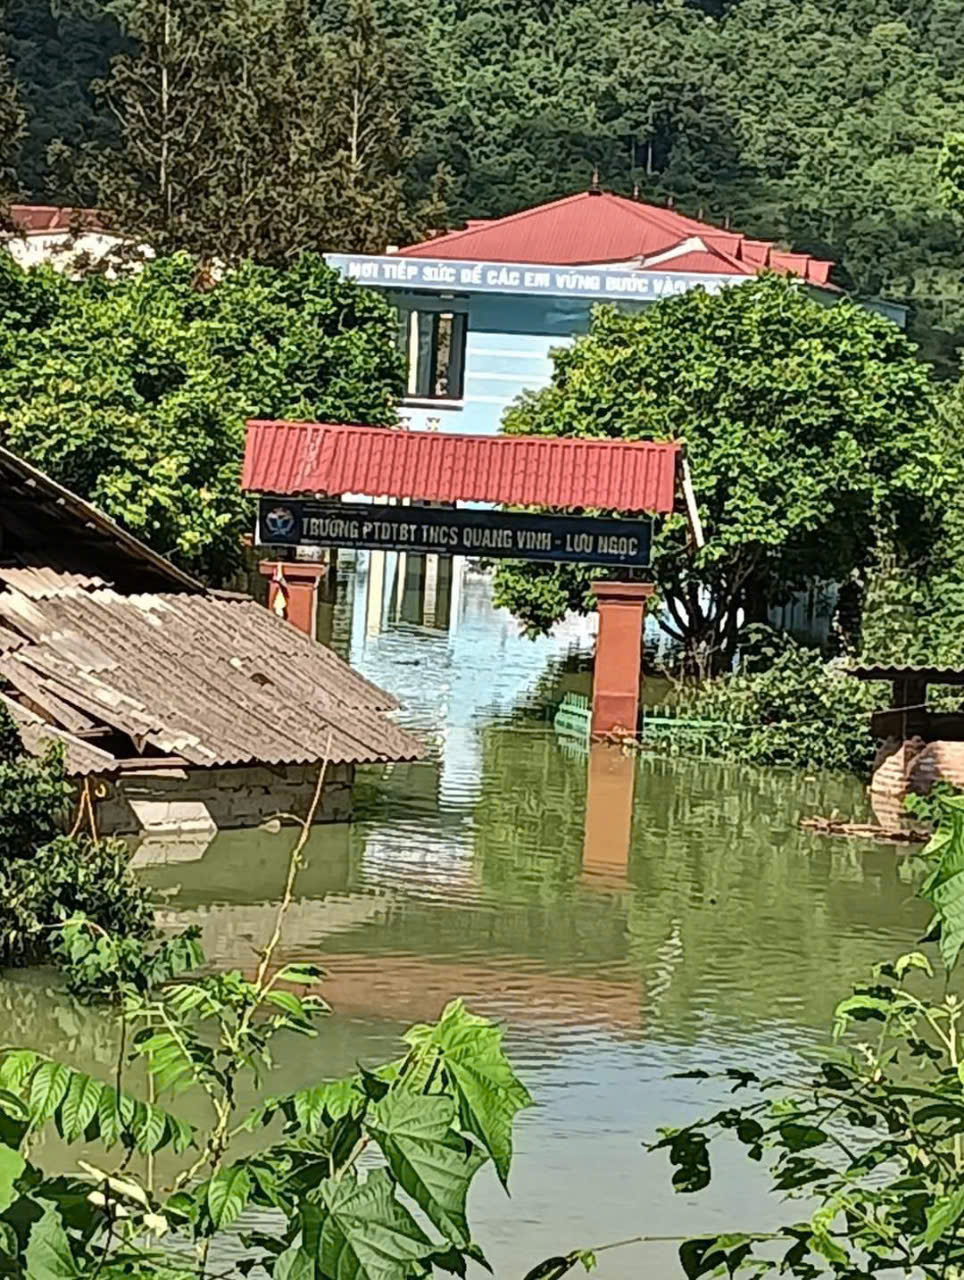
433	1164
228	1193
943	1213
337	1097
487	1089
150	1127
367	1234
79	1105
16	1066
294	1264
12	1165
47	1089
288	1003
48	1254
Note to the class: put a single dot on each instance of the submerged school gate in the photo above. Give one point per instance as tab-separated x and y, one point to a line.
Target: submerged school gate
302	470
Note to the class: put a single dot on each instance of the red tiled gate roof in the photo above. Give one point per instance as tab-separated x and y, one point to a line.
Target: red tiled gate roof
615	475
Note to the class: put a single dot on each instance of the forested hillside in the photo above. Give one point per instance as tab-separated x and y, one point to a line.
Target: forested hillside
816	123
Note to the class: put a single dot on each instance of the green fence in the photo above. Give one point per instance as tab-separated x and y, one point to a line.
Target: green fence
664	726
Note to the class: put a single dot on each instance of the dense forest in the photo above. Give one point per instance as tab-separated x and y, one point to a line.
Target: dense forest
819	123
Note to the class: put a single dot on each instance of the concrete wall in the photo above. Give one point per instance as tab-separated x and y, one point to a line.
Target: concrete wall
186	800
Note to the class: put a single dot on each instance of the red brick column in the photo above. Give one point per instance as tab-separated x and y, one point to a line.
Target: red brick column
301	580
616	679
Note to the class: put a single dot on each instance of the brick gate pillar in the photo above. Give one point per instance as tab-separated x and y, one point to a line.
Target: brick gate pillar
299	582
619	651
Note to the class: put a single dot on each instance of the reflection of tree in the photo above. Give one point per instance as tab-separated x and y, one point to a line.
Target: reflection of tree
768	922
729	907
530	815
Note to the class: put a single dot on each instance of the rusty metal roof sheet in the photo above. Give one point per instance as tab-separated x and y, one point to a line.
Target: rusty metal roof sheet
80	757
215	681
299	457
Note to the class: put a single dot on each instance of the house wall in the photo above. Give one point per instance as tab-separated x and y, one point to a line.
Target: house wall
186	800
508	348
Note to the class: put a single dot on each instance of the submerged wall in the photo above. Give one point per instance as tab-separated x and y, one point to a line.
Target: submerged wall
184	800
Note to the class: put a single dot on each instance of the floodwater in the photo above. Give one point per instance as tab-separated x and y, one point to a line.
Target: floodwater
623	918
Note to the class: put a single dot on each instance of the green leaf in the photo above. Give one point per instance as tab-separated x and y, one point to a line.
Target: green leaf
913	960
47	1089
48	1254
149	1126
800	1137
367	1234
294	1264
301	974
228	1193
79	1105
16	1066
336	1097
288	1002
488	1092
942	1214
12	1165
433	1164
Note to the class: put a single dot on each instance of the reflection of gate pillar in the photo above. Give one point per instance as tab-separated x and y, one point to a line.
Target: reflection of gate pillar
615	685
301	579
610	783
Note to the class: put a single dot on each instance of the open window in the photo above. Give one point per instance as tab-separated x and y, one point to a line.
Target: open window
433	344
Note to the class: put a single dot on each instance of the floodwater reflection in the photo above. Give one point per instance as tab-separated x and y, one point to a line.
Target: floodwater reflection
626	918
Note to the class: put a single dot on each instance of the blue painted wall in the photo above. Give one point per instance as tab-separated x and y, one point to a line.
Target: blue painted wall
508	345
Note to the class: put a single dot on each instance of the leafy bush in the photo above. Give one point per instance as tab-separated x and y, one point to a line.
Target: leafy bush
47	877
134	392
798	710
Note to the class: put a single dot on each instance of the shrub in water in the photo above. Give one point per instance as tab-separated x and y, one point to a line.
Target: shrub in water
798	710
45	876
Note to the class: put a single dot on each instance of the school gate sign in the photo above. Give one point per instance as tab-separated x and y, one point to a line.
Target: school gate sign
299	469
483	535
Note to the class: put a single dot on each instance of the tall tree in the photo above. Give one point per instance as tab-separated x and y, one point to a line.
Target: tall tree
247	130
134	391
11	132
807	429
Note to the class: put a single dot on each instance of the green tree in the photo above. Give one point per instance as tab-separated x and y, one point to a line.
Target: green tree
46	877
246	130
11	131
134	392
807	432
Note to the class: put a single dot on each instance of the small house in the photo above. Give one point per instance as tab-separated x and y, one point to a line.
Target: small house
179	707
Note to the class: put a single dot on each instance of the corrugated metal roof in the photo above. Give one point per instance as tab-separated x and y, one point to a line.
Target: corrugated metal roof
291	458
908	671
80	757
598	227
66	533
40	582
212	680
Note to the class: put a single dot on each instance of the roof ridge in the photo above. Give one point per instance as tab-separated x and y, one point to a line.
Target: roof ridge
519	216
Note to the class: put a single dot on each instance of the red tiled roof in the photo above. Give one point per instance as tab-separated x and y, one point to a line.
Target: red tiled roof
300	457
38	219
598	227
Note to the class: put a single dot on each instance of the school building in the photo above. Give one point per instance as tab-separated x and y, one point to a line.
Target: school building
480	309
